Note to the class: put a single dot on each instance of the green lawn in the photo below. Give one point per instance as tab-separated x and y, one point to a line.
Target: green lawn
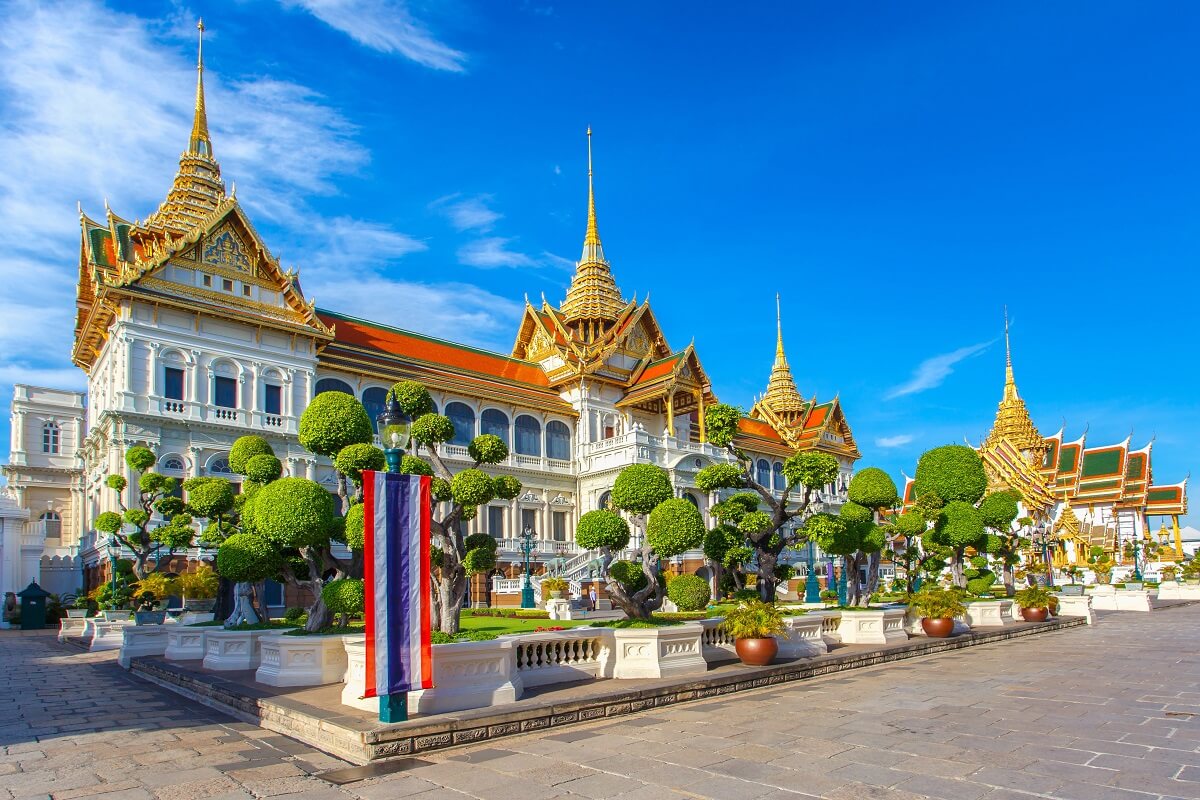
503	625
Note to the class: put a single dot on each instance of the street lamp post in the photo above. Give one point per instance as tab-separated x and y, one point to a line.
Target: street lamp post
1137	568
1041	538
812	589
114	549
393	426
526	551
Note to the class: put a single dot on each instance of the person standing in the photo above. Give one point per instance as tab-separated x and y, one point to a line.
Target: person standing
592	598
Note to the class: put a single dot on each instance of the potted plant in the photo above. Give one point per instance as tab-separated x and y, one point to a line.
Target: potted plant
556	587
938	607
1191	572
1102	565
1167	574
79	609
1035	603
753	626
829	597
199	589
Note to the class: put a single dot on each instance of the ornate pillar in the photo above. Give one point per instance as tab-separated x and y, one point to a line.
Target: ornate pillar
195	454
255	384
671	412
195	393
1178	537
700	416
152	387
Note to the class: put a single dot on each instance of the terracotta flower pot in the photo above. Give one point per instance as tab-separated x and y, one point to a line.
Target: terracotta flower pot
937	627
1035	614
757	652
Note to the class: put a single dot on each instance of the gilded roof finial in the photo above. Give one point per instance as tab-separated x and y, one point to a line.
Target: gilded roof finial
593	294
592	249
782	395
1012	417
200	142
1010	383
778	332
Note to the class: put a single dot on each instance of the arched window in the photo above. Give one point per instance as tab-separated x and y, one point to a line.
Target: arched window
220	466
762	472
558	440
494	421
605	499
174	463
777	476
528	435
464	423
374	400
51	524
691	498
332	385
51	438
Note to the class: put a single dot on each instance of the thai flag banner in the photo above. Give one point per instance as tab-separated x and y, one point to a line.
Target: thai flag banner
396	583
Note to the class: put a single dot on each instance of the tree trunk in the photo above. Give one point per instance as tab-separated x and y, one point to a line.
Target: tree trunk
956	569
766	576
319	615
225	599
435	607
260	597
872	575
451	591
1008	578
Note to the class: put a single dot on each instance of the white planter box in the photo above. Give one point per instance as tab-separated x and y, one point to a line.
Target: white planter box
803	637
875	626
831	622
77	613
715	643
301	660
356	673
990	614
1122	600
71	626
184	643
666	652
114	616
559	609
912	624
109	635
1076	606
142	640
193	617
1173	590
234	650
469	675
562	656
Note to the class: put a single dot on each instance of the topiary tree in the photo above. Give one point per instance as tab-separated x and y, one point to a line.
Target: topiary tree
456	556
689	592
951	479
135	527
672	526
874	491
332	422
1003	542
344	597
766	532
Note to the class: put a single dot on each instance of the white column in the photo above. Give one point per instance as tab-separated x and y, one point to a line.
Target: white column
196	397
255	385
152	387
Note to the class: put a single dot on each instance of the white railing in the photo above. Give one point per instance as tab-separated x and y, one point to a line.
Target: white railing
715	642
459	452
561	656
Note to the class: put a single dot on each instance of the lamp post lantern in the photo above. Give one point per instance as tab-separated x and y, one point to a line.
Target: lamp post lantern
526	551
393	425
1041	538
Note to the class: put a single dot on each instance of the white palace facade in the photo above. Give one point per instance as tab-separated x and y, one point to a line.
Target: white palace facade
191	334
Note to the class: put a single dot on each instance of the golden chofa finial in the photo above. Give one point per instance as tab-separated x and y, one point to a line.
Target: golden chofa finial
778	328
200	143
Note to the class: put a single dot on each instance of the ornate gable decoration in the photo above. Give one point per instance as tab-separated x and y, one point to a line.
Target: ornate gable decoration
225	248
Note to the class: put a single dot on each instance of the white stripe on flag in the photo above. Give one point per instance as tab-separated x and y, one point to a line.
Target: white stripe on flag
382	626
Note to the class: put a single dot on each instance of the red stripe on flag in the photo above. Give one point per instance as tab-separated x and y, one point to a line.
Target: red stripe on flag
426	588
369	579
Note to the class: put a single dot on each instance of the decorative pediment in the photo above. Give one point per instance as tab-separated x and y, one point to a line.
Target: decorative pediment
226	248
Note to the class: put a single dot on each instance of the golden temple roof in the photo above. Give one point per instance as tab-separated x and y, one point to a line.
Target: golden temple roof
197	189
593	294
1012	417
782	396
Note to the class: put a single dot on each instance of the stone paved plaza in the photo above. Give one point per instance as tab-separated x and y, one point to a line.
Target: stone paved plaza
1110	712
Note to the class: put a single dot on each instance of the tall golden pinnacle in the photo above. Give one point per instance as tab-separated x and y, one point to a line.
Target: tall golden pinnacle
200	143
1012	417
593	294
782	395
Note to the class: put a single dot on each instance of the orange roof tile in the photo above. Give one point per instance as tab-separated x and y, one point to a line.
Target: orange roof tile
423	348
817	417
659	369
754	427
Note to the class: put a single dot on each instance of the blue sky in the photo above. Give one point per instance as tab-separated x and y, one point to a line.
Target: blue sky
898	173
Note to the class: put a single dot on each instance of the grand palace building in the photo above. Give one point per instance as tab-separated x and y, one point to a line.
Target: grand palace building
191	334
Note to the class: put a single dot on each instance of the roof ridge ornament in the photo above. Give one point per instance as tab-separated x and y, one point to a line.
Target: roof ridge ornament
593	298
781	396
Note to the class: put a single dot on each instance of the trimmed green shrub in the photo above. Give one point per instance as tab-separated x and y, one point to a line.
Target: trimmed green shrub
246	557
602	528
332	421
629	574
264	468
675	526
873	488
292	512
353	459
246	448
639	488
689	592
488	448
344	596
952	473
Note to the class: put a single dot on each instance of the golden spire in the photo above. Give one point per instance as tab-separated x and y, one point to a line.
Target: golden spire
197	189
200	143
593	294
782	395
1012	417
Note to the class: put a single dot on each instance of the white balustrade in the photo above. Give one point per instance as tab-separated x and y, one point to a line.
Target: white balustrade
715	642
563	656
990	614
802	637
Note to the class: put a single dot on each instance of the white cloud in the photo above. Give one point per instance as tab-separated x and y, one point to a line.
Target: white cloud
899	440
468	213
492	252
387	26
930	373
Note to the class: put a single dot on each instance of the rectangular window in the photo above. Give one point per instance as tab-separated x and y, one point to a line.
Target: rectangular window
529	520
495	521
224	392
559	525
227	284
207	280
245	290
173	383
274	400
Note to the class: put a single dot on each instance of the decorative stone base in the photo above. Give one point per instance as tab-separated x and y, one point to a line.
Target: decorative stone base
142	640
1076	607
230	650
659	652
109	635
831	621
193	617
71	627
114	616
184	643
469	675
874	626
559	609
802	639
301	660
990	614
1173	590
1122	600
